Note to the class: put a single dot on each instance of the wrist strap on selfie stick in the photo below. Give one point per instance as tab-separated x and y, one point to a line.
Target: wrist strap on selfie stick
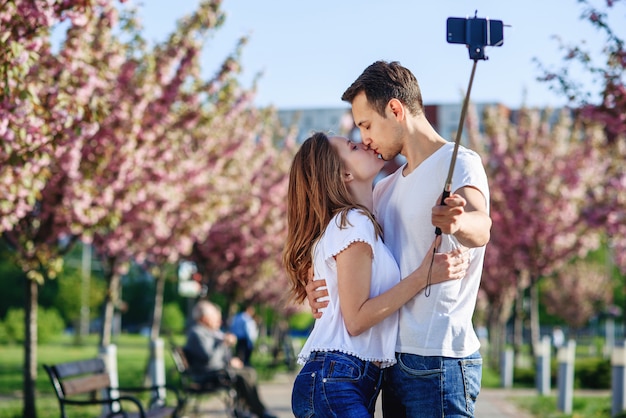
448	186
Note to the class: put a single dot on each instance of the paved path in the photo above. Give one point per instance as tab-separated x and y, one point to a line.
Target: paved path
492	403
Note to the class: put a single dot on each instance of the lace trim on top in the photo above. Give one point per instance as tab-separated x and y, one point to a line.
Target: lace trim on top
384	363
349	243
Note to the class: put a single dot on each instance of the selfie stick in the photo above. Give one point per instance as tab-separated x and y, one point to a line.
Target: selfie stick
448	186
476	34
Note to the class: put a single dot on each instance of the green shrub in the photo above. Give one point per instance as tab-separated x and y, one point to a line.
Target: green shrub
14	325
592	373
49	325
589	373
173	320
490	378
524	377
69	298
301	321
4	337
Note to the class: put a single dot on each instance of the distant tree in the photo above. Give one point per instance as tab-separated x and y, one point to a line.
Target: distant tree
540	171
241	254
69	299
178	154
602	104
578	292
155	164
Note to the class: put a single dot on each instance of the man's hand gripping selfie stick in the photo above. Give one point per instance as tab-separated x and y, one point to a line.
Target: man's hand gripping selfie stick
476	33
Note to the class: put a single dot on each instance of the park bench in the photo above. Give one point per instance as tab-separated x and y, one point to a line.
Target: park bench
221	385
79	382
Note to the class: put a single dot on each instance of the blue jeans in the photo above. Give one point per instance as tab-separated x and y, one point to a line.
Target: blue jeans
334	384
425	387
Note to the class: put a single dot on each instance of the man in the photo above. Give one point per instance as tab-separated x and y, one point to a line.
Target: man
208	350
245	329
439	367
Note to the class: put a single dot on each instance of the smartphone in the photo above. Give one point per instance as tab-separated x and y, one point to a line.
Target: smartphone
475	31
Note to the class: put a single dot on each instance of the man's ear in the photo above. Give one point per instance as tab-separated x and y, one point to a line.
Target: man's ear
396	108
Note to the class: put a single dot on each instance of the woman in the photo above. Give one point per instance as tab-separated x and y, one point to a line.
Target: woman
332	231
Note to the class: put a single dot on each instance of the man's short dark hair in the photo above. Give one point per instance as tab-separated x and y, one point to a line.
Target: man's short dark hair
383	81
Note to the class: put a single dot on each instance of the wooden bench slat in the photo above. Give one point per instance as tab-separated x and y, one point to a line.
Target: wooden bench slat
74	368
85	384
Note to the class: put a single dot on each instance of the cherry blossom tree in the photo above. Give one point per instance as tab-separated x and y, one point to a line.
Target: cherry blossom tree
193	153
123	145
541	171
30	106
602	104
47	112
160	155
578	292
240	256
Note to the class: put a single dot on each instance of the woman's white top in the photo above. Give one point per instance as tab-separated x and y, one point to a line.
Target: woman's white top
329	332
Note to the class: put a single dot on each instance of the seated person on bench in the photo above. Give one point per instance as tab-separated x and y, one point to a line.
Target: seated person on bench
209	350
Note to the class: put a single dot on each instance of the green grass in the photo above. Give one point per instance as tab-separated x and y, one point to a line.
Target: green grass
490	379
546	406
132	358
582	407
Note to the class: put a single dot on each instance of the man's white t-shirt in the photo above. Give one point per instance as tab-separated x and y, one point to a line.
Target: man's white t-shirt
441	324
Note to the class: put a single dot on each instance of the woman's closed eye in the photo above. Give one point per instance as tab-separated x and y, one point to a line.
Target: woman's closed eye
353	145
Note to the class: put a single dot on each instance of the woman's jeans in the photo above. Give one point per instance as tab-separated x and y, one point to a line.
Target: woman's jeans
334	384
426	387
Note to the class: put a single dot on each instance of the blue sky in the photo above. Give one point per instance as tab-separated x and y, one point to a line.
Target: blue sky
309	52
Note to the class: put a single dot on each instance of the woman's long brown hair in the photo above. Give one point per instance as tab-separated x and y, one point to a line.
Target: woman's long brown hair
316	193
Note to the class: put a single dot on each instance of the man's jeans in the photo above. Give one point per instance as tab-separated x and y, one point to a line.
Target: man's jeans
333	384
429	387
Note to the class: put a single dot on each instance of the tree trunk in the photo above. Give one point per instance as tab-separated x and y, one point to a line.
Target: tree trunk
624	312
83	327
155	328
534	317
518	321
30	348
157	314
497	336
497	318
109	309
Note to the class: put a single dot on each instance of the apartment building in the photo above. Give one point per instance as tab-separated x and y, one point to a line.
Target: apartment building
444	117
